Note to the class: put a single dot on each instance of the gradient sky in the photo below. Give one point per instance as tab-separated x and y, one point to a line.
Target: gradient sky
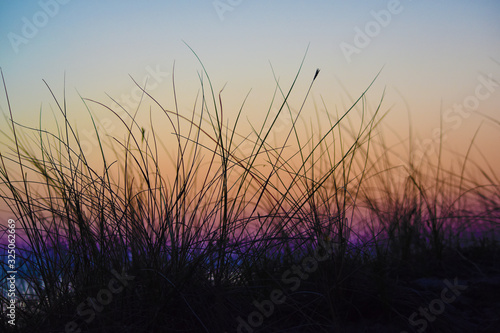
433	53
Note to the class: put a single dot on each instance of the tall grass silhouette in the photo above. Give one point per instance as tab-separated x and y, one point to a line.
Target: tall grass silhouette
213	232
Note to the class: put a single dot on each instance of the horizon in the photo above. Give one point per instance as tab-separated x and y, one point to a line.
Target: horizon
231	165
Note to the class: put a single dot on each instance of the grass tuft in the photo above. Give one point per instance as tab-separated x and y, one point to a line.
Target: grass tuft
321	217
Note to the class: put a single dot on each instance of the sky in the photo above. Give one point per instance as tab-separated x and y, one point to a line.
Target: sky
436	58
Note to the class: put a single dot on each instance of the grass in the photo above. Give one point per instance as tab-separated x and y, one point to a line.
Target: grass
319	221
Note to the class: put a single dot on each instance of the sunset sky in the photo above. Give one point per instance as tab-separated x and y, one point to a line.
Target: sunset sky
435	55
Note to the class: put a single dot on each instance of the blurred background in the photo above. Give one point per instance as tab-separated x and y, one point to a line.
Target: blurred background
435	57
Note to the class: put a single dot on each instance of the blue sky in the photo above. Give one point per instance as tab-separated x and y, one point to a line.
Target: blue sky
432	52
